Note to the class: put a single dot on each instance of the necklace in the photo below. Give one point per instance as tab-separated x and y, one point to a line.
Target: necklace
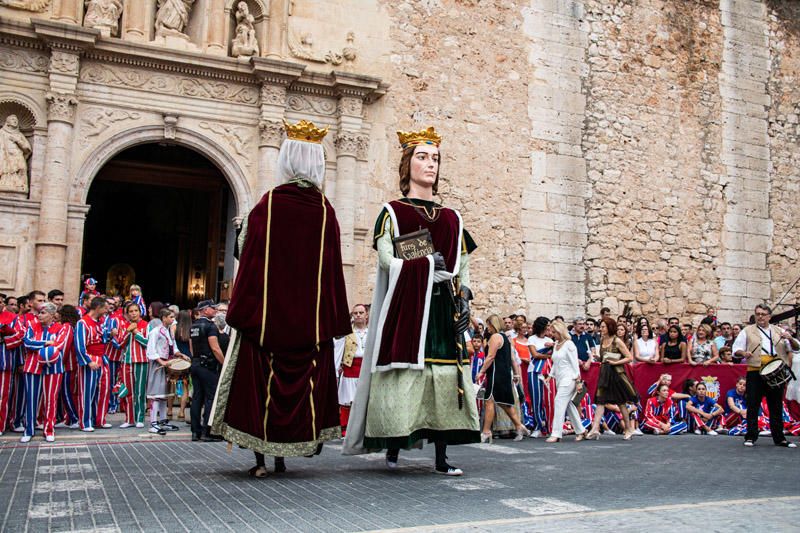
430	216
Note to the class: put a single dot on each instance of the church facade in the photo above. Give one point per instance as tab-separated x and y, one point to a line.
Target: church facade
601	152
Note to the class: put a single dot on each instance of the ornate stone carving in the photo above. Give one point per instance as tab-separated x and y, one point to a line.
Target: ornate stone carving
270	133
61	106
103	15
362	148
97	120
172	17
350	106
273	94
347	143
14	153
170	126
311	104
64	62
27	5
236	137
244	43
303	48
23	61
163	83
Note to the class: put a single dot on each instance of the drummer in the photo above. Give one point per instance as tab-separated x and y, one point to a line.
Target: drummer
759	344
160	351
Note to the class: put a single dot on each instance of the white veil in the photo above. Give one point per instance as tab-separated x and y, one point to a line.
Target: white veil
301	160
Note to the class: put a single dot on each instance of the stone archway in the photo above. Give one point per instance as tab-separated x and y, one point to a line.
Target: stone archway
88	169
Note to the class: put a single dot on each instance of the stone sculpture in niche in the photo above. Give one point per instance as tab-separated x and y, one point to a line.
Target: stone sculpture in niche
103	15
14	153
244	44
172	17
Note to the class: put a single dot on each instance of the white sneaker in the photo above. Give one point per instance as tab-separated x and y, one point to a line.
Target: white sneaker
25	438
106	426
50	438
637	431
39	426
139	424
697	432
18	429
749	443
60	425
764	433
76	425
88	430
153	429
536	434
712	432
125	425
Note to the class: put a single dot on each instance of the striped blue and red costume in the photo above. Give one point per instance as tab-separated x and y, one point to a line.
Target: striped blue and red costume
8	365
93	383
657	413
708	405
14	343
43	371
114	356
134	369
70	397
789	425
731	420
537	392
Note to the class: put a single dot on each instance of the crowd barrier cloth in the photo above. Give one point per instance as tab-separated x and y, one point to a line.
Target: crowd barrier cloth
719	379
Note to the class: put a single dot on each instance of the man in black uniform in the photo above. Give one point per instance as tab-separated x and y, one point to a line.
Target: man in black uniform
207	360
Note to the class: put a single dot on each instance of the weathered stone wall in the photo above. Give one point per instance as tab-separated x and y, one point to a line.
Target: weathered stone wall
651	142
784	133
474	90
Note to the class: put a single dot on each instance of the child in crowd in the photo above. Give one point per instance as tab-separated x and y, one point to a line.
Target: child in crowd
660	414
735	417
704	411
89	291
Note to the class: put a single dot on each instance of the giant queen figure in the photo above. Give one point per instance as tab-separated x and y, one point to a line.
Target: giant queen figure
277	394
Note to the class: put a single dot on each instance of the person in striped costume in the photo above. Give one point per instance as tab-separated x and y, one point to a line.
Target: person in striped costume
27	315
44	343
90	350
68	409
137	298
8	365
113	350
132	337
660	414
540	346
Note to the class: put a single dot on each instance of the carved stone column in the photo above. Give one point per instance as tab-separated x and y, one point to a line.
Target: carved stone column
216	28
68	11
269	143
51	242
347	148
134	21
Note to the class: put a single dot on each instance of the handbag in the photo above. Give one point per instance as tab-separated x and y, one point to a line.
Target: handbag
579	393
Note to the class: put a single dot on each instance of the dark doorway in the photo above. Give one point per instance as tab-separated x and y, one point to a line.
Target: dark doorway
159	215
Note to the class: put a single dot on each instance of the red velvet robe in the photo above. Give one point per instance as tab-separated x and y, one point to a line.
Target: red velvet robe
288	304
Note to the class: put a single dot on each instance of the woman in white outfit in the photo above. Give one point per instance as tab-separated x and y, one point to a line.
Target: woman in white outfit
566	373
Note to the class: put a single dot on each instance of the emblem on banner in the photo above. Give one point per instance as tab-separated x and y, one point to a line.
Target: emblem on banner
712	386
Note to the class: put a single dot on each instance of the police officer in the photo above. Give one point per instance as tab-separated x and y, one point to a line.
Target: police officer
207	360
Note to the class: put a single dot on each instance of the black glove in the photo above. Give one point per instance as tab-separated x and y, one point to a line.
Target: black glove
462	306
438	262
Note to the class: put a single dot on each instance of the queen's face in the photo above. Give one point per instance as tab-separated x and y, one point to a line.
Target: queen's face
424	165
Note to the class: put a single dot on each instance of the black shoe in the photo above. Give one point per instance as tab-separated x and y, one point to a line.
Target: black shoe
280	466
195	437
211	438
447	470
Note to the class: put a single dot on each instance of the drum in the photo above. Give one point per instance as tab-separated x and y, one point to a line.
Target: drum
776	373
178	369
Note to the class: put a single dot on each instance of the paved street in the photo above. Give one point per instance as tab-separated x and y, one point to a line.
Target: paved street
130	481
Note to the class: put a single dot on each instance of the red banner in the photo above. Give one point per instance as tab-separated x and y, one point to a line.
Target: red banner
719	379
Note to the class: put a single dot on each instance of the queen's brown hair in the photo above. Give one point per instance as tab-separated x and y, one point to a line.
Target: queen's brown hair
405	171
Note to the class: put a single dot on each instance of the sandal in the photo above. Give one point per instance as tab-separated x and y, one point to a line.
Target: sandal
258	472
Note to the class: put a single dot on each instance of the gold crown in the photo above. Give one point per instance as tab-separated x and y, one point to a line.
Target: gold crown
304	131
415	138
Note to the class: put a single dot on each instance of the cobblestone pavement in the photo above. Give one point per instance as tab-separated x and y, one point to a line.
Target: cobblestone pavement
132	482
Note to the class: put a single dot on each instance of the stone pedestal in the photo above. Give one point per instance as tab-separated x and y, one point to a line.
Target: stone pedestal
68	11
134	16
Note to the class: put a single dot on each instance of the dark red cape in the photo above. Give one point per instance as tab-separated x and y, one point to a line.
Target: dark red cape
289	377
293	272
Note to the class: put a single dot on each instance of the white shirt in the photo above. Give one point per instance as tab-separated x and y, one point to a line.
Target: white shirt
647	348
539	342
769	347
565	363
